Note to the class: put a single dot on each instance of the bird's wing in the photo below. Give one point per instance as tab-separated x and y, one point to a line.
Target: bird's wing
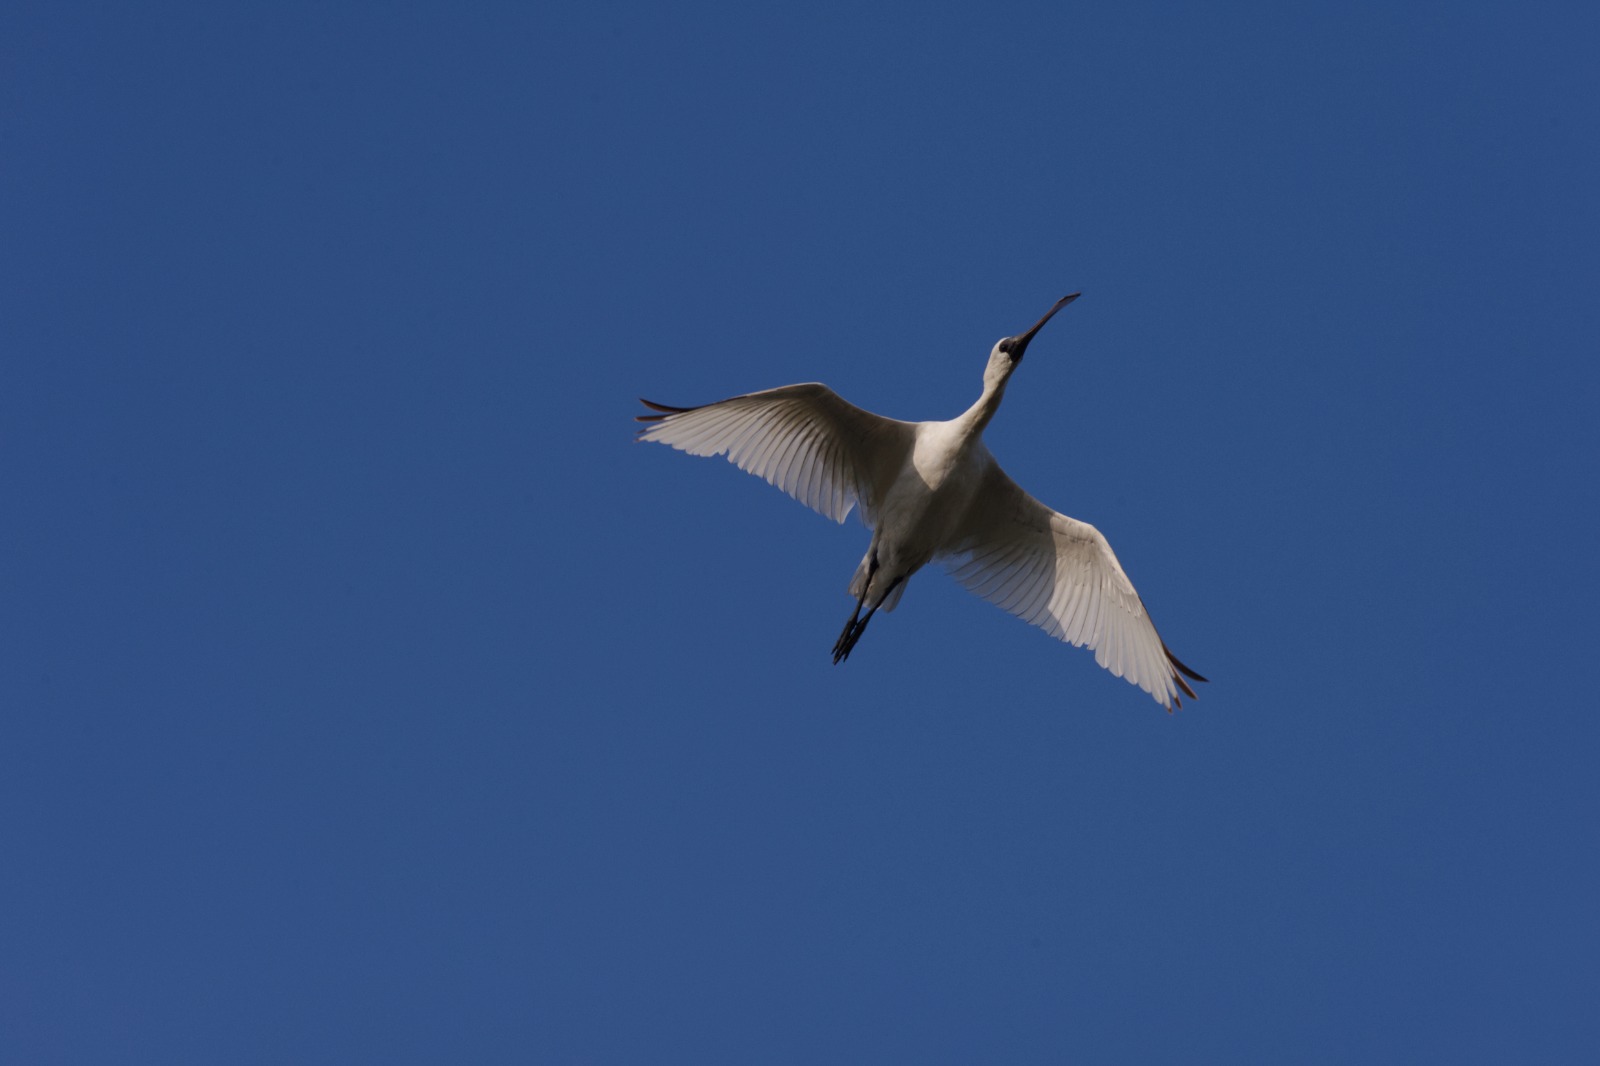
826	453
1060	574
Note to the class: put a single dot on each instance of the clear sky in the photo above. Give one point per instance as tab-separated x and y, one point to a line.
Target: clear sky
367	694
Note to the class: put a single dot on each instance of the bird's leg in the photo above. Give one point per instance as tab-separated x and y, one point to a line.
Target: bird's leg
841	647
853	629
846	641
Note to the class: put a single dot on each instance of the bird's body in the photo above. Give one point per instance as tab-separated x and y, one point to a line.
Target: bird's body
932	490
922	511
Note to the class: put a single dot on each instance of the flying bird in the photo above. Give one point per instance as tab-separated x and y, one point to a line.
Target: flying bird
932	490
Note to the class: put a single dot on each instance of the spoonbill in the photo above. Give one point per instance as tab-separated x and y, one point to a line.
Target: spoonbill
932	490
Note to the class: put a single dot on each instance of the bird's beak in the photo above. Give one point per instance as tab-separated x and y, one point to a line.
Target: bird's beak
1023	338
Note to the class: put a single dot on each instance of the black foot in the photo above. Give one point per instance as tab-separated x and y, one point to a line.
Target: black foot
853	629
847	640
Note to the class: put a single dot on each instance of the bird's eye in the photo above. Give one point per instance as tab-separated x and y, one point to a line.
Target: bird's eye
1007	344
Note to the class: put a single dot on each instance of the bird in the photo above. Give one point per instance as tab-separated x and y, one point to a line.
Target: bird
933	491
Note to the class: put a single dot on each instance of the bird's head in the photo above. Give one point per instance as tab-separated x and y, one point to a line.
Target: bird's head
1008	351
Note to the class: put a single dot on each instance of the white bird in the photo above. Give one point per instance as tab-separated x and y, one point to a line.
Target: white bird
932	490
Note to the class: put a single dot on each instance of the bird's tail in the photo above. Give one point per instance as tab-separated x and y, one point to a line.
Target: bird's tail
858	585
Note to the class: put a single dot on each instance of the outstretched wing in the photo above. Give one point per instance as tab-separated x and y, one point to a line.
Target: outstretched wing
1060	574
826	453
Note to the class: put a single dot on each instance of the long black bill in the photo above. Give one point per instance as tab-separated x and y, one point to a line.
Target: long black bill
1022	339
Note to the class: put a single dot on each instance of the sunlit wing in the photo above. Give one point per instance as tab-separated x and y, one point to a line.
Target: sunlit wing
828	454
1061	575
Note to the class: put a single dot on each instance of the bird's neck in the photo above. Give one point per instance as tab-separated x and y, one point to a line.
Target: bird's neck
976	418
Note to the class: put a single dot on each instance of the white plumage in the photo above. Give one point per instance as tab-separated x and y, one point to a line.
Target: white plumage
932	490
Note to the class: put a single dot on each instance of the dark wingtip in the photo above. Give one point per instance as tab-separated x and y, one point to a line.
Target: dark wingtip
667	411
1173	659
1179	671
664	408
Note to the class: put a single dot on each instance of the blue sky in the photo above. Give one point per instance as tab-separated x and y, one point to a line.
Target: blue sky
369	694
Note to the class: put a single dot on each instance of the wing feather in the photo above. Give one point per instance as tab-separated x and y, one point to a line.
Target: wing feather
827	453
795	452
1060	574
